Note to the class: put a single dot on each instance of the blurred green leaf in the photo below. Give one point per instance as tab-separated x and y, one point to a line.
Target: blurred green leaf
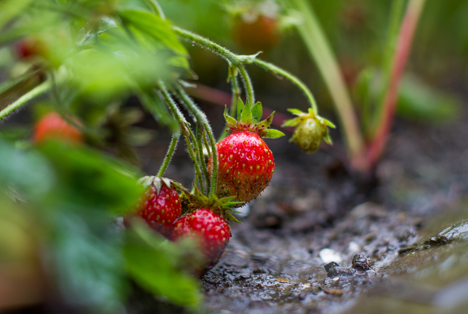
87	260
26	170
91	179
151	262
420	102
10	9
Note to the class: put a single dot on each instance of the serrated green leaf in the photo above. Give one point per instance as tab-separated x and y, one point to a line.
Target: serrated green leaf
295	111
272	133
246	116
229	120
257	112
240	107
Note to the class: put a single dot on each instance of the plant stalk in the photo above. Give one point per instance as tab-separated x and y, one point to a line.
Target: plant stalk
169	154
408	27
320	51
23	100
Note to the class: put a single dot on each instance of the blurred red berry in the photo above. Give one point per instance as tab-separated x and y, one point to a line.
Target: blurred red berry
52	125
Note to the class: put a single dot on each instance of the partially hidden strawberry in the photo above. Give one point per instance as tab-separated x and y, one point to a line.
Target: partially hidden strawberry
209	229
246	163
205	221
53	126
160	205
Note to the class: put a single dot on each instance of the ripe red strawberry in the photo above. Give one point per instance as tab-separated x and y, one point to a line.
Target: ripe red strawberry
161	204
245	163
246	166
53	126
261	34
209	228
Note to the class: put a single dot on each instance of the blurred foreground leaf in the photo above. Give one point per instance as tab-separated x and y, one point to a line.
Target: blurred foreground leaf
152	262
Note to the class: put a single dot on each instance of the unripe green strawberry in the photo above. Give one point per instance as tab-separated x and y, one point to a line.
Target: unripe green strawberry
246	166
161	205
310	130
207	227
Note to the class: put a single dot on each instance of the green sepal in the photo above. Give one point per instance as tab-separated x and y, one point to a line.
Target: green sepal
327	138
257	112
329	123
291	122
265	124
297	112
230	217
272	133
246	116
240	107
229	120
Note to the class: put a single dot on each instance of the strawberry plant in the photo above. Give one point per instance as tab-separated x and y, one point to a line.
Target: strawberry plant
84	59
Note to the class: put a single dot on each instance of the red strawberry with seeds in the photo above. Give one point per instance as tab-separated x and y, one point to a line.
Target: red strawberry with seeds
209	228
161	205
245	163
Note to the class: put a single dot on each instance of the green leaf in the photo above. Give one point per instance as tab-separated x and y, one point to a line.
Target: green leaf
153	264
240	108
328	123
91	179
267	122
144	23
257	111
10	9
272	133
230	217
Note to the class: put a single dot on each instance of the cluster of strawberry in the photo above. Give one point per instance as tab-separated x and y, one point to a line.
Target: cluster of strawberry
245	168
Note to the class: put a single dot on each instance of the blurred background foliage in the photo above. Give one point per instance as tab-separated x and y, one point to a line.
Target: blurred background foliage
60	240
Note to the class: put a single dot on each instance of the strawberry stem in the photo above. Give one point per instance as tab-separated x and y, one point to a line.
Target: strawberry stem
234	99
201	117
23	100
169	154
232	58
277	70
200	154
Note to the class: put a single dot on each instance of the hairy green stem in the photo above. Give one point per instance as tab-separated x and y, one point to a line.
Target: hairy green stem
320	51
198	171
276	70
191	106
232	58
200	154
234	100
169	154
23	100
183	123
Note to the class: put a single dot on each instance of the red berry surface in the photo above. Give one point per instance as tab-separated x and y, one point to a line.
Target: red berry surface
209	228
29	48
53	126
160	210
245	167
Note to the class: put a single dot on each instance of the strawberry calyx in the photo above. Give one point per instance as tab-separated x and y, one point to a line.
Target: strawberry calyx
221	206
249	120
157	183
310	130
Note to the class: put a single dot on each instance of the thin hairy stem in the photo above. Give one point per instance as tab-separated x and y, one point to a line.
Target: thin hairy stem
296	81
169	154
